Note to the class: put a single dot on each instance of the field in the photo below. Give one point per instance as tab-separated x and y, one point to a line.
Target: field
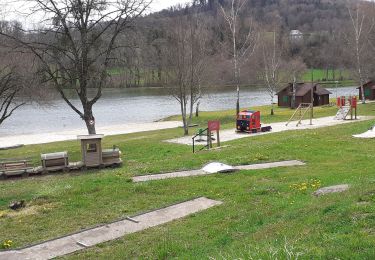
321	76
266	214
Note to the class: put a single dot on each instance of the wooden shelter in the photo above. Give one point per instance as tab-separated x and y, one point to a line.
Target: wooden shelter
303	95
91	148
369	89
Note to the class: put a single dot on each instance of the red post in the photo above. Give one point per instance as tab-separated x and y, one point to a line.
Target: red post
338	102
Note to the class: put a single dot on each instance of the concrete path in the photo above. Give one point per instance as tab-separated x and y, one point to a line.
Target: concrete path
201	172
231	134
72	243
331	189
42	138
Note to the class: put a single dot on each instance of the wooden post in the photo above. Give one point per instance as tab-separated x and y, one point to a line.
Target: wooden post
218	138
210	139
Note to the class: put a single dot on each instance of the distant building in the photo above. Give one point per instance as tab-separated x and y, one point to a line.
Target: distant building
303	95
369	89
295	35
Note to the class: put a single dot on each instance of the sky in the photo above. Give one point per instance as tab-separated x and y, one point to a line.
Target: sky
16	9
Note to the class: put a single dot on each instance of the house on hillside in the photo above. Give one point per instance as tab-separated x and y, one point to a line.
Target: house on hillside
295	35
369	89
303	95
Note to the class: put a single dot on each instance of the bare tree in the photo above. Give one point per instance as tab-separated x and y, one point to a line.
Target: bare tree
185	64
361	29
77	44
295	69
240	49
11	88
271	65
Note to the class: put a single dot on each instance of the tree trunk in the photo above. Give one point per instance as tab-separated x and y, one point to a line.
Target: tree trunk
238	101
197	110
90	122
294	93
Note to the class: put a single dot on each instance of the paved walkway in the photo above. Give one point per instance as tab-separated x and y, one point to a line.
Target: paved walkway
231	134
42	138
201	172
72	243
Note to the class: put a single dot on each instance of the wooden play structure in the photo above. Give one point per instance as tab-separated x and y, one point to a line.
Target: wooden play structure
347	106
92	156
302	110
206	135
55	162
248	121
14	167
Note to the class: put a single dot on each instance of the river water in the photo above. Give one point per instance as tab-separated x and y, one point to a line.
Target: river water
121	106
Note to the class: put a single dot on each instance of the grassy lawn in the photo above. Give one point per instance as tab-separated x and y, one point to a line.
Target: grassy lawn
263	215
320	75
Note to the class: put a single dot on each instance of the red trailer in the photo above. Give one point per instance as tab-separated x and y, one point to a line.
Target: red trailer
249	121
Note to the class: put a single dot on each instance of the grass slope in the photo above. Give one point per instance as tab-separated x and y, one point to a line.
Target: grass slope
266	213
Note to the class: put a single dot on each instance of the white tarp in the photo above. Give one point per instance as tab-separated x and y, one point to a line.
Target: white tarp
216	167
369	134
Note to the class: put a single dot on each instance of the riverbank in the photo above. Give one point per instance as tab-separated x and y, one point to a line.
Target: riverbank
43	138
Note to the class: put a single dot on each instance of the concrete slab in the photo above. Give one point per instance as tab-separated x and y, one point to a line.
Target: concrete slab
202	172
72	243
231	134
331	189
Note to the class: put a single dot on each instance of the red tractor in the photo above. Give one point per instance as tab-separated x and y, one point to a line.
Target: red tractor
249	121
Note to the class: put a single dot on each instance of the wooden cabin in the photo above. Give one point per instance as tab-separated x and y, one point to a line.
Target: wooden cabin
369	89
303	95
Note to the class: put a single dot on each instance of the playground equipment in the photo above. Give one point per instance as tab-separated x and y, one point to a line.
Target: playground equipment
300	113
212	126
346	105
249	121
55	162
92	156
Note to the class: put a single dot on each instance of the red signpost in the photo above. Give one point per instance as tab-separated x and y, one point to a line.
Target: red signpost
213	126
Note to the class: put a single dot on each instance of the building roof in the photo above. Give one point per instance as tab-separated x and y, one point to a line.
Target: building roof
89	137
303	88
370	83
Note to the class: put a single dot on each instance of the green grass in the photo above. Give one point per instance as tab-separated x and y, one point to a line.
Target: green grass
320	75
261	217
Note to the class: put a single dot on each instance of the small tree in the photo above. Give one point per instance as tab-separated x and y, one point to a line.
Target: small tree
271	65
77	44
358	38
240	50
185	64
295	69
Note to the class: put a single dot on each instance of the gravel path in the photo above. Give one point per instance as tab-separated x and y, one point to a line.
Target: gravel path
201	172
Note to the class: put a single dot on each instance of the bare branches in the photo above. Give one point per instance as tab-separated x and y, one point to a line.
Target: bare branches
185	57
77	44
360	22
10	89
239	51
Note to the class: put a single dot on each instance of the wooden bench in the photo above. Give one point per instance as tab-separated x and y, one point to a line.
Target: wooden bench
15	167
